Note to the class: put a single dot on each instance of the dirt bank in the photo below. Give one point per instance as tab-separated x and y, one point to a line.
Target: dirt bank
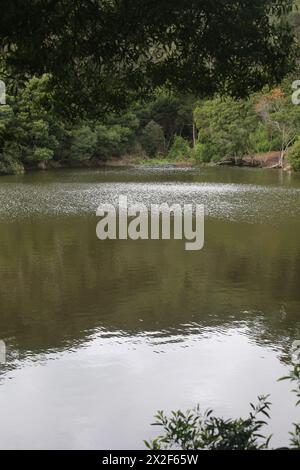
260	160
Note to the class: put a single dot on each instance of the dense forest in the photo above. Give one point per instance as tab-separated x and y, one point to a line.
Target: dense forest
103	320
167	128
167	125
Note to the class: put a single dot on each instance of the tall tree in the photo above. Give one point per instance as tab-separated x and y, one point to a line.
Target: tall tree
281	116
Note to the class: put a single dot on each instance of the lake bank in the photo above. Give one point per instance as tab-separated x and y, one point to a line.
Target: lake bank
268	160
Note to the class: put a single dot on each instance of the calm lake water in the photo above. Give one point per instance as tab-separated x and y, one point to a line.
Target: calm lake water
102	334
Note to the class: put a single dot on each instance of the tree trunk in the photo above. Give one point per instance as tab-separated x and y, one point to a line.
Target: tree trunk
194	135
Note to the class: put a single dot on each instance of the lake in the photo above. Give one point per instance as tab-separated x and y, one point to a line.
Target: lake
102	334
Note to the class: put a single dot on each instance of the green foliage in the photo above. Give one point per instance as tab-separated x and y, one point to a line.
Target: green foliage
235	128
35	126
180	149
225	126
181	44
112	140
294	377
199	153
259	140
153	139
294	155
204	153
83	143
28	130
173	114
32	133
10	166
41	154
193	430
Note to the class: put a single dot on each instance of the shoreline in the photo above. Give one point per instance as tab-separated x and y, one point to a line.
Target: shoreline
269	161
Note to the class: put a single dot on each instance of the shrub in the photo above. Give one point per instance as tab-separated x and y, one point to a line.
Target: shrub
294	155
192	430
10	166
153	139
180	149
83	143
259	141
40	154
204	153
113	140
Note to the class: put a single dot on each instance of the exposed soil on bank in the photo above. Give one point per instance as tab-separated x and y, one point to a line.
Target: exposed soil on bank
269	160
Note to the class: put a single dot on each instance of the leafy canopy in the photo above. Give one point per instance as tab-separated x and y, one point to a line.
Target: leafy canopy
102	54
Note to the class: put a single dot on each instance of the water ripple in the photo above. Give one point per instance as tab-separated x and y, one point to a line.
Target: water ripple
247	202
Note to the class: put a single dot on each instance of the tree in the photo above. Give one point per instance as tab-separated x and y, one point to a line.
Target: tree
113	140
282	116
174	114
225	127
180	149
83	143
294	155
102	54
152	139
29	132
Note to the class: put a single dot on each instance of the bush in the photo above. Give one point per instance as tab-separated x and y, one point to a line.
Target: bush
180	149
83	143
9	166
204	153
153	139
113	140
259	141
40	154
192	430
294	155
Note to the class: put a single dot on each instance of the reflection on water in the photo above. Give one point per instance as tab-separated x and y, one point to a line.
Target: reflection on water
79	193
100	335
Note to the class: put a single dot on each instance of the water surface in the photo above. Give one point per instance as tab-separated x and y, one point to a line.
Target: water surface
100	335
